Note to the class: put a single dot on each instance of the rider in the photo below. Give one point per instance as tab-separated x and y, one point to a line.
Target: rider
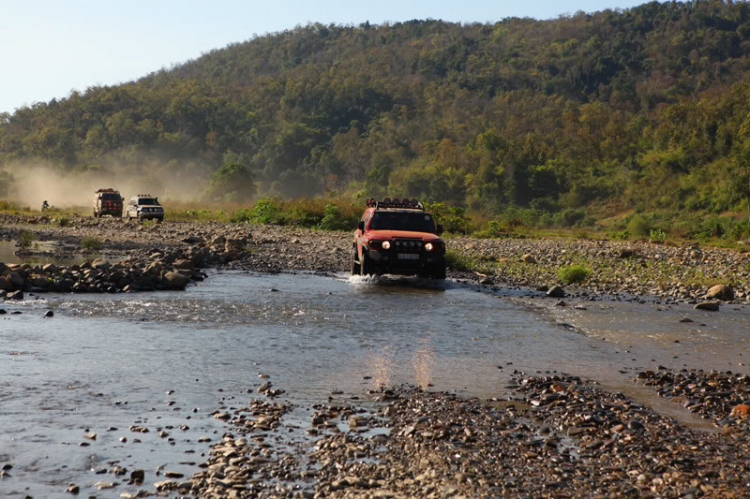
45	205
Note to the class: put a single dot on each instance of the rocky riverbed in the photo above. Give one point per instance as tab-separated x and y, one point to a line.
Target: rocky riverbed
555	436
671	273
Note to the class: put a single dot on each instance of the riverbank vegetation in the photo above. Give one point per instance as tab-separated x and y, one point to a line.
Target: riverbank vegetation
629	123
342	214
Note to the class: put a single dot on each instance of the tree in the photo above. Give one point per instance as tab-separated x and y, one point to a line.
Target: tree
233	182
741	177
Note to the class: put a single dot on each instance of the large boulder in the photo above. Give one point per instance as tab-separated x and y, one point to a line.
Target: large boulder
100	264
16	280
556	292
184	263
176	280
40	282
5	284
720	292
711	306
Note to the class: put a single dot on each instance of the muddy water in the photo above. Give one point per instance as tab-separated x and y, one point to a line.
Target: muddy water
105	363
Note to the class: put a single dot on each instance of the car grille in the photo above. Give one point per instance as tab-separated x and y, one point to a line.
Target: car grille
408	245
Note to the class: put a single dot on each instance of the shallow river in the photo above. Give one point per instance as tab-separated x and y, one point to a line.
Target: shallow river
104	363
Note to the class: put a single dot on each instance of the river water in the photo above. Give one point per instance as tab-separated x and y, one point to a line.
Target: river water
104	363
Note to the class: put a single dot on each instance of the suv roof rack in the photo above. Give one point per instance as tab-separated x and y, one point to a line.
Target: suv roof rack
411	204
108	189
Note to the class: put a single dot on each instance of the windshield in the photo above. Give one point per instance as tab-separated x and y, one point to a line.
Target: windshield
111	197
148	201
413	221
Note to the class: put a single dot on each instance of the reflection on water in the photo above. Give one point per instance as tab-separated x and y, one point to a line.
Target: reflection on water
107	361
423	360
8	249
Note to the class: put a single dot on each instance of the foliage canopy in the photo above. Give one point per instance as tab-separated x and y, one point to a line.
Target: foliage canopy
645	108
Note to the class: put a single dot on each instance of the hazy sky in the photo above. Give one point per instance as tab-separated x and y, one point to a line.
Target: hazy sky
49	47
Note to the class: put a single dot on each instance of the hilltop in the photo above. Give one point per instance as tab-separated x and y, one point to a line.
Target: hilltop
566	120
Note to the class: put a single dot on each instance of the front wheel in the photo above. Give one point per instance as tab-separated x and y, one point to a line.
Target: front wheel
366	266
355	264
438	272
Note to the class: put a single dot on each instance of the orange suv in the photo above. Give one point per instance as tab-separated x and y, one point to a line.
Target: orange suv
398	237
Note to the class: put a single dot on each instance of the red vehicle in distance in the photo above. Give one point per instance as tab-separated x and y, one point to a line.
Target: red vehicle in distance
398	237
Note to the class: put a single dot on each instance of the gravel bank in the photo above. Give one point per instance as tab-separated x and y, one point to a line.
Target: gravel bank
679	274
555	436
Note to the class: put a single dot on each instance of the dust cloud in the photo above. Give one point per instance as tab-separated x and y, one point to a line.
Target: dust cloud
33	184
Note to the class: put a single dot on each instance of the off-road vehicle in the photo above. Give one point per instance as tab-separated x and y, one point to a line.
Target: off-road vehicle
398	237
144	207
108	202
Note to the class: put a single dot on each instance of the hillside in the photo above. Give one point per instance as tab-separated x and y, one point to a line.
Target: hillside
644	109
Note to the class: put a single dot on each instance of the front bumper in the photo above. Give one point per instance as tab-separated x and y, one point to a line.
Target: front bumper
154	215
389	262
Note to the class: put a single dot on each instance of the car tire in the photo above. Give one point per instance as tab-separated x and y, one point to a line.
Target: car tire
439	272
366	266
355	264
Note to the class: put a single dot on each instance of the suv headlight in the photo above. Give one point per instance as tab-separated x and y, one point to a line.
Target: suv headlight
429	246
386	245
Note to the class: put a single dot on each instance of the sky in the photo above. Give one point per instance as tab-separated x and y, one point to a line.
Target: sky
50	47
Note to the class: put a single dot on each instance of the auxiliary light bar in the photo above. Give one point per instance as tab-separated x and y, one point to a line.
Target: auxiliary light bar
411	204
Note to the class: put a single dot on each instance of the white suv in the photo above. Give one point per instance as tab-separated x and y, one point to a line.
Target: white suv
144	207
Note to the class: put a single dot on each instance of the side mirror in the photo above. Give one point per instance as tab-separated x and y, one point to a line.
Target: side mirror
439	229
361	225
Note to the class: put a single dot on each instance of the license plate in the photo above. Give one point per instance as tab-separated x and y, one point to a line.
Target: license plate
408	256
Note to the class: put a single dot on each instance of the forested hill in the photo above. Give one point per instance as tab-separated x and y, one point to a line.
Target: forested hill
646	108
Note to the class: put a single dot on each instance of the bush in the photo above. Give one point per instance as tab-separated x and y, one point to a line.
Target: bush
573	274
334	220
494	229
639	226
64	221
456	261
242	215
657	236
622	235
570	217
266	211
26	238
91	244
452	218
739	230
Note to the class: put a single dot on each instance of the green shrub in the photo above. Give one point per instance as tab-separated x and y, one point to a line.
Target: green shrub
639	226
266	211
242	215
91	243
63	221
570	217
657	236
452	218
494	229
573	274
26	238
620	236
739	230
456	261
334	220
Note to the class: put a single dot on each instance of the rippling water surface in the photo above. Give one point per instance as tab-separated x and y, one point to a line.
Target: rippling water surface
165	359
